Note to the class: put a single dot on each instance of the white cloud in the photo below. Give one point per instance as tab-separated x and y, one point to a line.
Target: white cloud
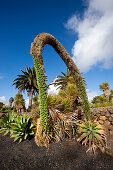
94	46
26	103
3	99
91	94
53	89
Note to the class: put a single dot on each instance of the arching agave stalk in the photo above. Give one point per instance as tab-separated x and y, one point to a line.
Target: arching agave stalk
36	50
84	98
42	93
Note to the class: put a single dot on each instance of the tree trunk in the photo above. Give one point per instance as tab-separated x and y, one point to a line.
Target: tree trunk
30	98
106	93
10	104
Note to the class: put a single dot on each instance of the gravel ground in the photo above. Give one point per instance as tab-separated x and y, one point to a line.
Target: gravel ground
68	155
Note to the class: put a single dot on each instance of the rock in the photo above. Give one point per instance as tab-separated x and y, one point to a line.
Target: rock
110	119
111	110
101	122
103	118
112	115
106	129
105	109
107	114
110	127
102	113
107	123
111	132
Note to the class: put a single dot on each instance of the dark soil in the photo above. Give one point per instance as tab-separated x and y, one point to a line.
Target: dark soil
68	155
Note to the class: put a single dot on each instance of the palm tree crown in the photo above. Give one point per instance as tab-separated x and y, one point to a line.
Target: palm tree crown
63	80
11	100
27	81
105	88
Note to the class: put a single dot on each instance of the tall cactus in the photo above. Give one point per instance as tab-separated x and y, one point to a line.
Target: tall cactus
36	50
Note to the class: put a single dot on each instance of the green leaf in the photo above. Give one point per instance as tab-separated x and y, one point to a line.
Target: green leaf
25	137
83	136
7	131
32	133
99	138
16	138
20	140
90	139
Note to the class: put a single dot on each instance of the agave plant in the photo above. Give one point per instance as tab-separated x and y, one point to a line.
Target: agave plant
92	133
22	128
6	121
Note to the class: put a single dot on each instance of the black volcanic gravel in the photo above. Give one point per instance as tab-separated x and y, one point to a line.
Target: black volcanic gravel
68	155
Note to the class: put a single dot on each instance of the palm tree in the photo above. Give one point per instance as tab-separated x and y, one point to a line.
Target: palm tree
11	100
62	80
19	103
27	82
105	88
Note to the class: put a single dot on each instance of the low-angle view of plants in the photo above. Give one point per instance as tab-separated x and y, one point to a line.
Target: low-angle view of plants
56	97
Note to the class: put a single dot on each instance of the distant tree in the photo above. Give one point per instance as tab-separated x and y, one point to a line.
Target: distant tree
99	99
19	103
105	88
27	82
111	95
11	100
35	101
1	105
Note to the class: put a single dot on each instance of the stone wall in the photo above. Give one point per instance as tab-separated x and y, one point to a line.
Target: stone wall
105	117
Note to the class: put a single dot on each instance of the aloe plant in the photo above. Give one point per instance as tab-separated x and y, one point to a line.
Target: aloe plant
21	128
92	133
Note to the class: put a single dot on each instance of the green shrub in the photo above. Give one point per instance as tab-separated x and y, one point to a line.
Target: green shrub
62	93
66	106
6	121
6	109
71	91
98	105
54	101
111	103
1	105
35	113
21	128
29	110
92	105
57	102
105	104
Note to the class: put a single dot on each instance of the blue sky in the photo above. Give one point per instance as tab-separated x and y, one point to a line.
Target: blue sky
73	23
